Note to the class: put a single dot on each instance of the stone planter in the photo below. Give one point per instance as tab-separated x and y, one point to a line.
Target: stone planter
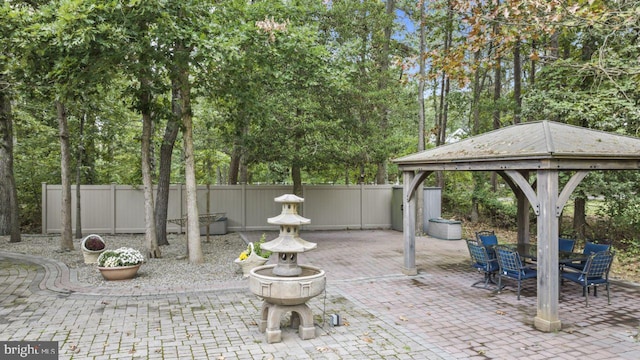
119	272
445	229
91	256
251	262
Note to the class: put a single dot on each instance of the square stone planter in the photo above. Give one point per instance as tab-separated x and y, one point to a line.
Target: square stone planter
445	229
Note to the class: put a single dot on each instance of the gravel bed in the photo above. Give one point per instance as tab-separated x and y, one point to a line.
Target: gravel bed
173	270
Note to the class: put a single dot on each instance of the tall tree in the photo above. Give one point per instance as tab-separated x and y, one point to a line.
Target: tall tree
151	241
164	174
66	235
80	155
9	214
517	82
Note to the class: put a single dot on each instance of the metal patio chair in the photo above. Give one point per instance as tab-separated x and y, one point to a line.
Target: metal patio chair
589	248
594	273
481	260
511	266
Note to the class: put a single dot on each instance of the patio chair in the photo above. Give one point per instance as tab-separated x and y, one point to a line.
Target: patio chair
480	260
566	245
511	267
595	272
589	248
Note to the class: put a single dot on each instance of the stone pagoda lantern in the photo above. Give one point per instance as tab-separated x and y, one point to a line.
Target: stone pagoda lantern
286	286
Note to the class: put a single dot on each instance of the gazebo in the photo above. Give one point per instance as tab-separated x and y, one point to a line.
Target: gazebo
537	150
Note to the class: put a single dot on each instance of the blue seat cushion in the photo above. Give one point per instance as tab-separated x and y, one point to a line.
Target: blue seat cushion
488	240
591	248
579	278
566	244
526	273
493	266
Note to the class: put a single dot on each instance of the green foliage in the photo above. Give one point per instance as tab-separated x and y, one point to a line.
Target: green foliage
257	247
621	193
456	196
313	91
462	188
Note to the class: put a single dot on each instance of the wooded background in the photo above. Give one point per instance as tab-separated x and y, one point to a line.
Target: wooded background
308	91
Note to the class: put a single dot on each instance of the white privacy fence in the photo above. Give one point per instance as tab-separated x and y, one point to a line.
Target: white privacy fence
110	209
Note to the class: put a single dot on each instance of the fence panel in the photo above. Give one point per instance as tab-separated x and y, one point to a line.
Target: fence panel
120	208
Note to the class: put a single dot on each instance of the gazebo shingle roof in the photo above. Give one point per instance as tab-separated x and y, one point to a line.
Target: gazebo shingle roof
540	140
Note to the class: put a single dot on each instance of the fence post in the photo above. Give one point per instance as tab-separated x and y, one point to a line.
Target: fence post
44	208
361	206
113	208
243	209
181	207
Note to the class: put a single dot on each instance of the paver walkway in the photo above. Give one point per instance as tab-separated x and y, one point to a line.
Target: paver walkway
434	315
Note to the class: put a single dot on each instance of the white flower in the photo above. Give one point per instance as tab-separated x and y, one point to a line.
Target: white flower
120	257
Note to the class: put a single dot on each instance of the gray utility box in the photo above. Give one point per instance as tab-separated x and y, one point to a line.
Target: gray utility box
218	227
431	206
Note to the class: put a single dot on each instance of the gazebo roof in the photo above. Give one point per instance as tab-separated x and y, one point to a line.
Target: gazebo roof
532	145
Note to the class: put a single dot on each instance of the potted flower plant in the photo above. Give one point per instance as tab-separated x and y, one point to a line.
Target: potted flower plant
120	264
92	246
252	256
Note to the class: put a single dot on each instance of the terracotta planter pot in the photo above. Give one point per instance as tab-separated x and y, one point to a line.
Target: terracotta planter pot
119	272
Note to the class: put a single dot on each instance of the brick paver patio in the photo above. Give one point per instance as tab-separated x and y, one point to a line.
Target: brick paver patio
387	315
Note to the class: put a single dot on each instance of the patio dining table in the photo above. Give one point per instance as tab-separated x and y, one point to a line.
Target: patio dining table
530	251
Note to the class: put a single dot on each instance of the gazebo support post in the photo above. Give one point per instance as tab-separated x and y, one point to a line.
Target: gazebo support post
523	218
409	224
523	214
547	316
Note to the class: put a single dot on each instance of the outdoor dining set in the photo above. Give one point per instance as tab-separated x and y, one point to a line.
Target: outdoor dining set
517	262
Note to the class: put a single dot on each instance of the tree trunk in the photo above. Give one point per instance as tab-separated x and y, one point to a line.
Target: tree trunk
237	168
532	72
164	175
475	102
9	213
517	82
66	236
421	81
497	85
580	216
445	112
475	113
382	175
244	170
79	177
421	115
296	177
234	163
193	223
153	251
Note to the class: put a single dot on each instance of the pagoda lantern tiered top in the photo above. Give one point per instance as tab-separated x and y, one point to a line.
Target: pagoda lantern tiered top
289	243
